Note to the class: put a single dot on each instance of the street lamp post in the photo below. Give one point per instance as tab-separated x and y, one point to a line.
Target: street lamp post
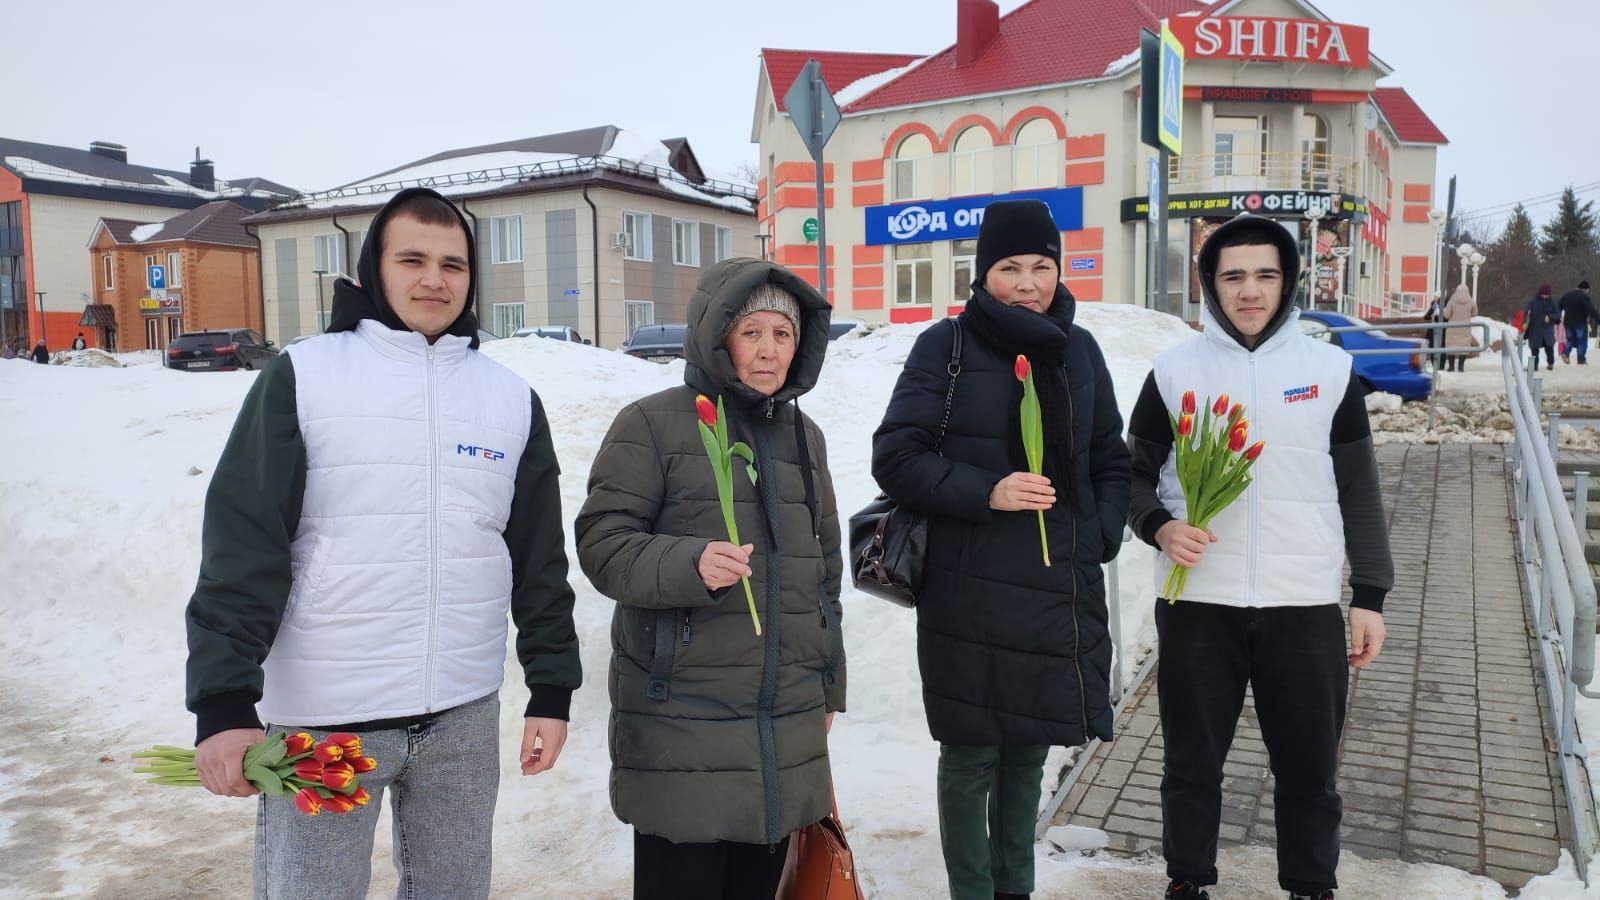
1343	255
1464	252
1313	215
321	321
44	334
1476	261
1437	218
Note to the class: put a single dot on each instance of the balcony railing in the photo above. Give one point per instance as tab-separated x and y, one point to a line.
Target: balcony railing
1264	172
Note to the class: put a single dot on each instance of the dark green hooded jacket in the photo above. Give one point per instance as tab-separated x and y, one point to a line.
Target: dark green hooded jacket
717	734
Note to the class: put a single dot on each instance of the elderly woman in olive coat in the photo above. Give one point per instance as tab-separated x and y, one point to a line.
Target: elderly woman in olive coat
719	735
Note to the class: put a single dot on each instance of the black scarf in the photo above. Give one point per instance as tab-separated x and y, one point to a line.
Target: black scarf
1013	330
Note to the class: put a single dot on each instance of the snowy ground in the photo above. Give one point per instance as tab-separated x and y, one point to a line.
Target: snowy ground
106	506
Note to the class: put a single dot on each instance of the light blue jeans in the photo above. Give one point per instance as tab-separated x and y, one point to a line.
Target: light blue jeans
442	779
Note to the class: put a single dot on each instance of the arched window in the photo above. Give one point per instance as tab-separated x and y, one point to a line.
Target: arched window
972	163
1036	155
910	163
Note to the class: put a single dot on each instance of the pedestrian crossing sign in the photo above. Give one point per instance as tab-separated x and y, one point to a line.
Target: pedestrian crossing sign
1171	99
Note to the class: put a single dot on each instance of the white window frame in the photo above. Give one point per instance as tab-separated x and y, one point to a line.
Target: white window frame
906	175
504	312
320	244
724	243
957	283
637	225
108	270
685	242
637	313
923	263
505	239
174	269
149	261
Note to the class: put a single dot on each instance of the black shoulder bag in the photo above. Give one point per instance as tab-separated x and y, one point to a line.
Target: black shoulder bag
889	542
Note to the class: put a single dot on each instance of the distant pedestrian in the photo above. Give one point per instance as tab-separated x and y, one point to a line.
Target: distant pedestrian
1435	314
1577	314
1460	309
1540	326
41	354
78	343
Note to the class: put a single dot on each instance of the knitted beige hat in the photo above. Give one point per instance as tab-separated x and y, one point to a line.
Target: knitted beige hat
769	297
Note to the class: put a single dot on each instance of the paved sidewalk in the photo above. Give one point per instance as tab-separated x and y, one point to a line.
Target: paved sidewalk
1445	756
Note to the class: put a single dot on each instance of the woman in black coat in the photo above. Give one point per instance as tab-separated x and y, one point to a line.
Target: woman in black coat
1014	655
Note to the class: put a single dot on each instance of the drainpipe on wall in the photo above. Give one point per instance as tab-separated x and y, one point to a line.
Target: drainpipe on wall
473	239
348	258
261	275
594	234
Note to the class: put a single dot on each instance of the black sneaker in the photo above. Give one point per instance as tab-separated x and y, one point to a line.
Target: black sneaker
1187	890
1325	895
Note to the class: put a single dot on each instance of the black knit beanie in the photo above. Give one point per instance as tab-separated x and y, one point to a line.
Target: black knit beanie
1013	228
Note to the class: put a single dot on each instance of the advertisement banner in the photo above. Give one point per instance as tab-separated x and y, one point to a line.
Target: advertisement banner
958	219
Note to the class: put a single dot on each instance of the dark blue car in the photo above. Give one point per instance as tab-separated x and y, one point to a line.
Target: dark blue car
1392	373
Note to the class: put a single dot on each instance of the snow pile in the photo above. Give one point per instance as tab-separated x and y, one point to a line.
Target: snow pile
104	558
865	85
93	358
146	232
1469	418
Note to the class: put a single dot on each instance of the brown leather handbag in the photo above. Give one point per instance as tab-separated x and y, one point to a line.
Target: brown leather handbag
820	865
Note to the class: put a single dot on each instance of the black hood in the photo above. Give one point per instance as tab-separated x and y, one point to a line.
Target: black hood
722	292
364	298
1288	257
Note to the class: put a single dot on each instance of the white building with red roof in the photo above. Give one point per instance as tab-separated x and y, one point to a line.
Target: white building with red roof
1282	113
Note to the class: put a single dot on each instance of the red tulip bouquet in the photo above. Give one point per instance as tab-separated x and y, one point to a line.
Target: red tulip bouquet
714	434
1213	467
319	776
1033	437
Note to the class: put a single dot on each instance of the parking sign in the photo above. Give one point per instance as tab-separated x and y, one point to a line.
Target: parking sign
158	278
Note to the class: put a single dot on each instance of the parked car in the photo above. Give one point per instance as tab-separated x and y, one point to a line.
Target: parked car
554	332
234	348
1392	373
657	343
838	328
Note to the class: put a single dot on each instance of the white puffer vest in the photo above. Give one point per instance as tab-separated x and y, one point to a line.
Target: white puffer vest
402	579
1281	543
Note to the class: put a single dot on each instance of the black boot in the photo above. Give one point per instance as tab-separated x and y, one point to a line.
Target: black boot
1324	895
1001	895
1187	890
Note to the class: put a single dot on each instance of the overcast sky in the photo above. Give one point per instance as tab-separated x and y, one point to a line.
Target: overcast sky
318	94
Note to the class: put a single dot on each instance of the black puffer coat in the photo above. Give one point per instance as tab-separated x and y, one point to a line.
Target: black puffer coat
1011	652
718	734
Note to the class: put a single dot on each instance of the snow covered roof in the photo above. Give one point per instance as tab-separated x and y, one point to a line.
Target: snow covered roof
53	169
218	222
839	70
606	152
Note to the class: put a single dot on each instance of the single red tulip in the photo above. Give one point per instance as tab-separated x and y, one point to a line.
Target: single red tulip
360	797
308	770
307	801
1236	439
1188	403
338	776
1255	450
1235	413
329	752
1022	367
707	410
349	743
362	764
1221	406
298	743
1186	425
338	803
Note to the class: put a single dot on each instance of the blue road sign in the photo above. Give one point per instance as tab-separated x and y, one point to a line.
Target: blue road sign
158	278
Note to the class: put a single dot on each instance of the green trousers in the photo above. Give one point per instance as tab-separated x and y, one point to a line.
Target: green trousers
988	804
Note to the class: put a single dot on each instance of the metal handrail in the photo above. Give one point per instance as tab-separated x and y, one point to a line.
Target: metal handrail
1425	350
1561	596
1263	171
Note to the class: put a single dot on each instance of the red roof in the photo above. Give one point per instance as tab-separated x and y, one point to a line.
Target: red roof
1411	124
1041	42
838	69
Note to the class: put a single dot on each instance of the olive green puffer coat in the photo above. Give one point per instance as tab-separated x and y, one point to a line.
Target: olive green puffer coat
717	734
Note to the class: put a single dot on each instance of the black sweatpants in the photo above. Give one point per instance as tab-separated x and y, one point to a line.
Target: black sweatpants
723	870
1295	661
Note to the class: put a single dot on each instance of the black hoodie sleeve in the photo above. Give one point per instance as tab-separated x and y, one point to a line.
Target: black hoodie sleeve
904	461
1149	444
541	597
251	513
1355	472
1108	455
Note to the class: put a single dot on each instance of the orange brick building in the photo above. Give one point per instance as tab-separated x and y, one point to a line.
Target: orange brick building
212	273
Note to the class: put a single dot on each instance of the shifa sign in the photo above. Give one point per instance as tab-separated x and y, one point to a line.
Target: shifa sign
959	219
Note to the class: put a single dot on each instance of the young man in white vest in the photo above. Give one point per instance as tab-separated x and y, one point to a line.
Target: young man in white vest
1261	607
386	496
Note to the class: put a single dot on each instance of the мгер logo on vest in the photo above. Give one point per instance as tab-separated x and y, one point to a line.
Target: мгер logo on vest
1295	395
483	452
